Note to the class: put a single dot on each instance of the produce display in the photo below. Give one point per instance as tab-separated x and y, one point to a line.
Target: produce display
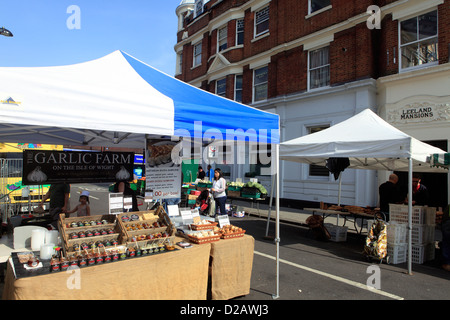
229	231
203	225
256	185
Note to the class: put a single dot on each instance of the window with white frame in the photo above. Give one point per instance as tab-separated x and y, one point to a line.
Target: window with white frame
319	68
180	63
315	5
260	83
197	54
221	87
240	31
419	40
315	170
198	7
262	21
222	34
238	88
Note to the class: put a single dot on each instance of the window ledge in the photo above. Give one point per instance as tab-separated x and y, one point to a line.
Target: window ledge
419	67
318	11
261	36
193	67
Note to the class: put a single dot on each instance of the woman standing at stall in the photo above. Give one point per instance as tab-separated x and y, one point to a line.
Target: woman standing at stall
218	190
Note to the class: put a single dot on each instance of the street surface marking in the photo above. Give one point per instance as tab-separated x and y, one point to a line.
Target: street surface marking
337	278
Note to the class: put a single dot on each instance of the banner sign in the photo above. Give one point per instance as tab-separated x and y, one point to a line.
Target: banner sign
44	167
163	174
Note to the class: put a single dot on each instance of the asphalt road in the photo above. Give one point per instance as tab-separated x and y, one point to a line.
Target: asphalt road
317	270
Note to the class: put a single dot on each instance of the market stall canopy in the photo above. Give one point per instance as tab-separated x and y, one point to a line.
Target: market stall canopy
367	140
115	101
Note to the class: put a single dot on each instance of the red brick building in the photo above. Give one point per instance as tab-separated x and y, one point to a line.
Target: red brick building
319	62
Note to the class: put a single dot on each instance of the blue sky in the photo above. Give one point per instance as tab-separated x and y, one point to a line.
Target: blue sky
145	29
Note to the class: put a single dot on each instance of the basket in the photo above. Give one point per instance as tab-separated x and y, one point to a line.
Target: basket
234	188
203	226
232	235
204	240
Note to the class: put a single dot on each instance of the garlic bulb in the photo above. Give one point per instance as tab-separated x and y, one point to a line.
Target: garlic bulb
37	175
122	174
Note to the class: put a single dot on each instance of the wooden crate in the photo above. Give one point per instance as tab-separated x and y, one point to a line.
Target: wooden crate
151	227
66	230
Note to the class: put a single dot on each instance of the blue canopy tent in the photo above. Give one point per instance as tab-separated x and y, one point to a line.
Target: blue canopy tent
118	100
115	100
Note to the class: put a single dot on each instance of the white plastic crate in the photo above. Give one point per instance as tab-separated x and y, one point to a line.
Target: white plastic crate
338	234
420	214
397	252
396	232
422	253
421	234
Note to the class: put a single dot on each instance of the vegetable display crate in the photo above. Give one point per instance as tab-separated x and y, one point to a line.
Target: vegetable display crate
204	185
233	193
338	234
234	188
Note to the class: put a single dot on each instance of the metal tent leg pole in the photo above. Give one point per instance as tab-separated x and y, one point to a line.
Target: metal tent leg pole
277	224
270	206
409	216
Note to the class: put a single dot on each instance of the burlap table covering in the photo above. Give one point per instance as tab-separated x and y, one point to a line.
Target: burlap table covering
178	275
231	267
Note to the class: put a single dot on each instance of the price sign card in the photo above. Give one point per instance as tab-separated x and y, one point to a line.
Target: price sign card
195	215
186	217
173	210
223	220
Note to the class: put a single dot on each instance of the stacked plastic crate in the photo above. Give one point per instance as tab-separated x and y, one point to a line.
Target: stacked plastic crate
422	232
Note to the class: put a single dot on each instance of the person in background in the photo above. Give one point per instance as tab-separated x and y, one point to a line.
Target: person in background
218	190
210	173
201	174
83	208
59	200
420	194
124	187
389	192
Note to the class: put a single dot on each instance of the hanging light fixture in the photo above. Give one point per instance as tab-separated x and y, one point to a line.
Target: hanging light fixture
5	32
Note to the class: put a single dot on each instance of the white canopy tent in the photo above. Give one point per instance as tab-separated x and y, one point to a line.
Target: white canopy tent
118	100
370	143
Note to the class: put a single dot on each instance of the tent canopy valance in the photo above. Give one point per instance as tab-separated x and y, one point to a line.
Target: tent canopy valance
440	160
116	100
367	140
